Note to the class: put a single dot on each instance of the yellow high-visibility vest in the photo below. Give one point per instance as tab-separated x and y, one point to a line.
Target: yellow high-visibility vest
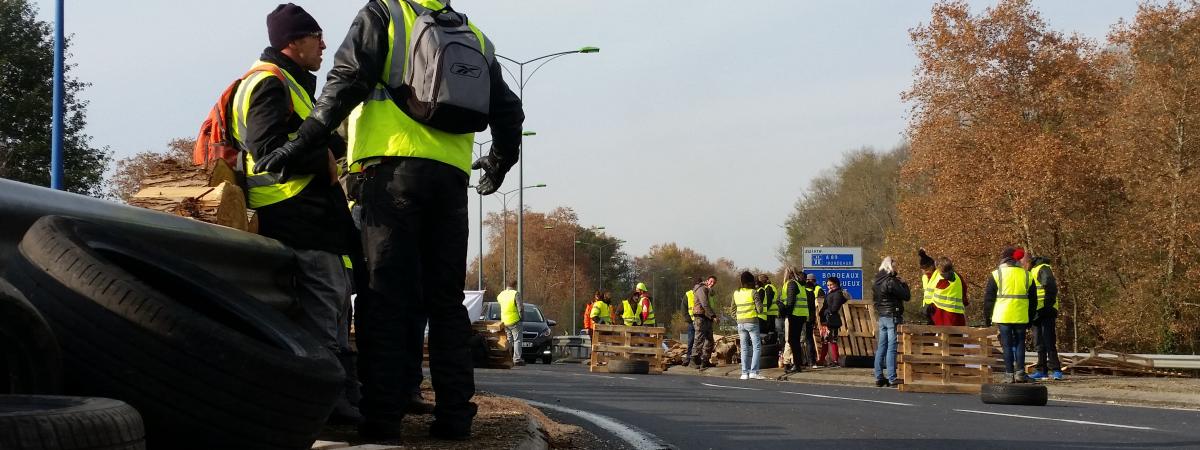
770	308
949	299
743	301
629	313
927	284
1041	290
508	307
264	188
800	307
649	314
1012	295
600	312
378	128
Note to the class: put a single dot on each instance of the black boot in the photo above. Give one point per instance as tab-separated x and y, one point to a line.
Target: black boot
345	410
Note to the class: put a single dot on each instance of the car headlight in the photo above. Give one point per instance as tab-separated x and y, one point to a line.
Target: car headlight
545	332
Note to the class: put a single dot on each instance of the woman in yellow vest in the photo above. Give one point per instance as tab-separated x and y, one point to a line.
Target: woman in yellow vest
747	304
1009	303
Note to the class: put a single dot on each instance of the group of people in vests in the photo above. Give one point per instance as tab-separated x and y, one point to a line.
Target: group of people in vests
635	310
1021	294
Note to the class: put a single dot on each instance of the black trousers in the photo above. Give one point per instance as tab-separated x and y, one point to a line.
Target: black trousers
800	340
1046	339
415	241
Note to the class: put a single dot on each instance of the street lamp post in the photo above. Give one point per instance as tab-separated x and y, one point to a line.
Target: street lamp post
504	230
478	155
522	80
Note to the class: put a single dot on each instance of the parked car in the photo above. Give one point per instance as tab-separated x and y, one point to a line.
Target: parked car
535	331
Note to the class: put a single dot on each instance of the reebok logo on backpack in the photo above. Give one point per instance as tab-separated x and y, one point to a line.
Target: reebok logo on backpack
447	83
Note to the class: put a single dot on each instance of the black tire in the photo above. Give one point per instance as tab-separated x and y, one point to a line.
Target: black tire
30	360
43	422
634	366
208	366
1014	394
859	362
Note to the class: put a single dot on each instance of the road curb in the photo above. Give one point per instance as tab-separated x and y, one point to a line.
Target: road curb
534	437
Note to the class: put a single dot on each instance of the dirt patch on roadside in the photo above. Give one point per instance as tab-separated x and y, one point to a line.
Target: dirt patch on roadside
500	424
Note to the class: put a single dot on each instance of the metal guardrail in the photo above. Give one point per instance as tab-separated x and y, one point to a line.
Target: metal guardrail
1183	362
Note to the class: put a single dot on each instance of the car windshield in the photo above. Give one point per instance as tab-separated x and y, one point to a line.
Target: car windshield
532	314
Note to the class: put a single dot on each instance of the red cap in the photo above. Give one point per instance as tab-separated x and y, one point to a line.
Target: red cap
1018	253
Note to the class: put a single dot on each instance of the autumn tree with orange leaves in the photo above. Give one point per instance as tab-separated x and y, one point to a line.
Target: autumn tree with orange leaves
1084	154
1155	149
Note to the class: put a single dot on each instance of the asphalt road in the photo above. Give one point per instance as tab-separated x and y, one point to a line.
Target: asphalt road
699	412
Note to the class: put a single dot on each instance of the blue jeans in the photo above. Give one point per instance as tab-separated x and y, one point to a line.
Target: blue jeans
750	340
691	340
885	351
1012	341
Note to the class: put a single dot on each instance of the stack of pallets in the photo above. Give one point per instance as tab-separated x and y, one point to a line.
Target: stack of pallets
618	341
946	359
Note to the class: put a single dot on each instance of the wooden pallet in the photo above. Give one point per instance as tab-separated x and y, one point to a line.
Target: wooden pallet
619	341
1120	364
856	337
946	359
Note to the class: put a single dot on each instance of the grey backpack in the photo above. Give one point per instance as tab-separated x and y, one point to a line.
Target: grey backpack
447	80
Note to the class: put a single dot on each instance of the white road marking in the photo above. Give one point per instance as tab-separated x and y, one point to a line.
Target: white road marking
628	378
848	398
636	437
1080	422
731	387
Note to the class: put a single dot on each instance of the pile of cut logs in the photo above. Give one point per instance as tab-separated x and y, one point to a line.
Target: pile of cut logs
206	194
499	352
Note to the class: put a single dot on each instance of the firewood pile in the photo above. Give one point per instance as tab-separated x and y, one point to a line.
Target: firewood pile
499	350
208	194
726	351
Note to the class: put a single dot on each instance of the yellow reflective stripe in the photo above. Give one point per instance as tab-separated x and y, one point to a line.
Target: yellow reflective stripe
241	104
346	262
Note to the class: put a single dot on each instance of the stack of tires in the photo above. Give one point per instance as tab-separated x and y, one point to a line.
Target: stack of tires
204	364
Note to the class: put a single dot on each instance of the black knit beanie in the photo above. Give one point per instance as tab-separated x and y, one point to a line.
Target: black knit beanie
289	22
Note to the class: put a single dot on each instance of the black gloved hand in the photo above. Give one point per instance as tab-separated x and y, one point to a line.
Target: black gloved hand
492	176
278	158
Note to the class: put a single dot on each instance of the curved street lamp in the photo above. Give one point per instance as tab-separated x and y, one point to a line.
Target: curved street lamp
522	80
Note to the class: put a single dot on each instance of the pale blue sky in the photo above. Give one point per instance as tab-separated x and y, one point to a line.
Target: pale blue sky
699	122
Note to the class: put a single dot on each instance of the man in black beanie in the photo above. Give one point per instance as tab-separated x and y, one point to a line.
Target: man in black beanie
414	200
304	207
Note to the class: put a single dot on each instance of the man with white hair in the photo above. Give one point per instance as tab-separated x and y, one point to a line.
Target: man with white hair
889	296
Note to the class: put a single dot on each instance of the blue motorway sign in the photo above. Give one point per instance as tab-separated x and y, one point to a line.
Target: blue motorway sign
852	279
832	257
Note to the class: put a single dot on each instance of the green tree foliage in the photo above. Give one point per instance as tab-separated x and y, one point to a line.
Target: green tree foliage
853	205
26	74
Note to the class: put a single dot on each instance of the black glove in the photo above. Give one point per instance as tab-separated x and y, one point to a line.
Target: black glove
493	173
278	158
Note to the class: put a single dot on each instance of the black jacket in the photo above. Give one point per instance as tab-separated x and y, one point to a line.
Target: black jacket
989	298
830	314
358	67
317	218
889	295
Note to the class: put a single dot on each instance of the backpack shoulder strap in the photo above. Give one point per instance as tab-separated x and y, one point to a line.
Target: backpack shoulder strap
277	72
